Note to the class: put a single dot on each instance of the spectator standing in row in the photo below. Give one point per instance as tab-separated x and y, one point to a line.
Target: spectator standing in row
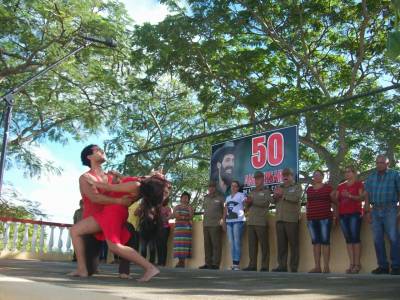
287	198
349	196
381	202
235	218
320	203
257	203
183	214
212	227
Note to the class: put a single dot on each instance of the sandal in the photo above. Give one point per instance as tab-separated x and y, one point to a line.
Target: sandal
350	269
356	269
315	270
326	270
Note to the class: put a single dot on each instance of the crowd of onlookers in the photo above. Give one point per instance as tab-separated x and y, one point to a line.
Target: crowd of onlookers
376	199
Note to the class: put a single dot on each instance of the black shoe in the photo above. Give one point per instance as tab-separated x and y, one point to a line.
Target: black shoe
293	271
279	270
249	269
395	271
214	267
205	267
264	270
380	270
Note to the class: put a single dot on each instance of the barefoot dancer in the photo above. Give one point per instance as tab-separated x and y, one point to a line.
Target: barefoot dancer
153	190
93	157
111	220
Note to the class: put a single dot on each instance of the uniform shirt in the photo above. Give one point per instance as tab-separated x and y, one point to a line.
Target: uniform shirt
257	213
235	208
288	207
213	209
383	189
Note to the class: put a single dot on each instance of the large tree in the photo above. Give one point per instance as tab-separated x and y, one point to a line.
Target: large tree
268	57
72	100
159	114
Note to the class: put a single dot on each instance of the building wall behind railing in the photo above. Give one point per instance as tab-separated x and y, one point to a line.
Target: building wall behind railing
338	262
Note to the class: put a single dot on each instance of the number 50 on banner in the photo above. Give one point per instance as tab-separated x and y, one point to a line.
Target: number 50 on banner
269	150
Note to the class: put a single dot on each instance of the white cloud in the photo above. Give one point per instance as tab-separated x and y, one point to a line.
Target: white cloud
142	11
58	195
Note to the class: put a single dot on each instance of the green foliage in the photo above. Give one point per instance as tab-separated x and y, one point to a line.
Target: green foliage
157	114
212	64
255	60
71	100
393	40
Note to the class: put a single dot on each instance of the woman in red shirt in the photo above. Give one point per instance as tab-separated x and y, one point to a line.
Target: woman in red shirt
319	220
349	196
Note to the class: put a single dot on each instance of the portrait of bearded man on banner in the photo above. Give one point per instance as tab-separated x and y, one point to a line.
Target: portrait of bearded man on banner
222	166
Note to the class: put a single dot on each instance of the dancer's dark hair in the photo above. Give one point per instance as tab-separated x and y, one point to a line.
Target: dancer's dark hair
152	193
88	150
152	190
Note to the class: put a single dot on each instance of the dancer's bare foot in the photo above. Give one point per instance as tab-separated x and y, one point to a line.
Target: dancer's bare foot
150	273
78	274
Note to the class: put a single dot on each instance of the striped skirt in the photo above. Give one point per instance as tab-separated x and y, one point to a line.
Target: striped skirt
183	240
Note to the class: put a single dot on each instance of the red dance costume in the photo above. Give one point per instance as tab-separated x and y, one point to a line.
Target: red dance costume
113	217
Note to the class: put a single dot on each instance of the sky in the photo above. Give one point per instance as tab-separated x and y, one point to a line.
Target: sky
59	195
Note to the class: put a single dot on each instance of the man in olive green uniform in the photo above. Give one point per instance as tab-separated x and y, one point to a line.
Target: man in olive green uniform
287	198
212	229
257	203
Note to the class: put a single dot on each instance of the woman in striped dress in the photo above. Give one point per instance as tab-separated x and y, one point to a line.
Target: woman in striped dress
183	214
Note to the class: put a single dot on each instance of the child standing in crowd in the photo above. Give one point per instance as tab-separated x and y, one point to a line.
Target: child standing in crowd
183	214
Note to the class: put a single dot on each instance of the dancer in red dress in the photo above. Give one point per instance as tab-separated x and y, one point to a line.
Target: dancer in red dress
110	220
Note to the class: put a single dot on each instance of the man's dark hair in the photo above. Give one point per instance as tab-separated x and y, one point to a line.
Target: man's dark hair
186	194
88	150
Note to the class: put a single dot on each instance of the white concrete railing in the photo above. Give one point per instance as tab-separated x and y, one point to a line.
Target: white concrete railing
34	237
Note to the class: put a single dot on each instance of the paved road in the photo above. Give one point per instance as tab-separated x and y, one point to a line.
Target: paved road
179	284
